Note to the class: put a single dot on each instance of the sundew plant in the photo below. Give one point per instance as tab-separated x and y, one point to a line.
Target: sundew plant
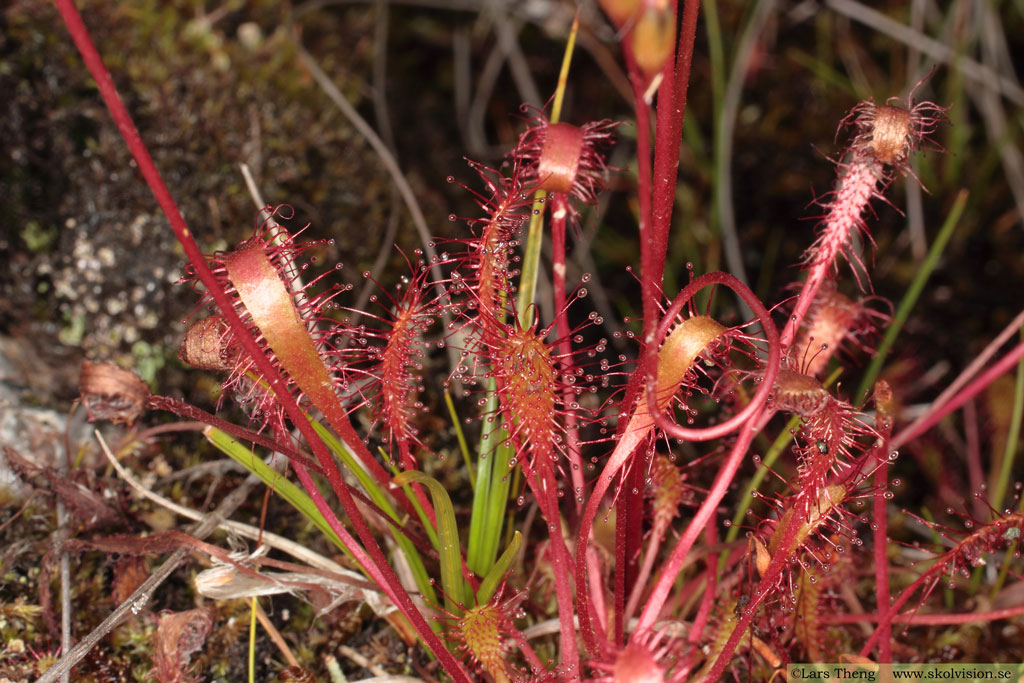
715	473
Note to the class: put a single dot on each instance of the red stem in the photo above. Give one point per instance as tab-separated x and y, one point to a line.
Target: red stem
880	532
804	301
704	516
650	555
929	619
939	566
560	211
633	505
657	200
671	112
593	632
707	603
975	471
622	512
930	419
708	600
544	487
650	274
209	420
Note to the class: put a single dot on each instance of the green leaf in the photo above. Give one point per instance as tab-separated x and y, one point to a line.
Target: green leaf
448	536
380	498
494	577
245	457
463	445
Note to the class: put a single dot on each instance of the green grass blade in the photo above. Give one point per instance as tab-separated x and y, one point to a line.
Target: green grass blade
295	496
494	577
461	436
448	533
369	484
381	499
1012	441
414	500
911	296
298	499
490	500
531	259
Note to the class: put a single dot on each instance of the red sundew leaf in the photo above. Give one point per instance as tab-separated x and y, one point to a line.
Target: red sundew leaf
383	363
273	311
567	159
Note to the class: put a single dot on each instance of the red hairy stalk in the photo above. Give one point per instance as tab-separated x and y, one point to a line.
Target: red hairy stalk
884	136
191	412
1004	531
884	417
656	200
374	562
670	114
526	375
489	257
387	375
566	162
834	320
